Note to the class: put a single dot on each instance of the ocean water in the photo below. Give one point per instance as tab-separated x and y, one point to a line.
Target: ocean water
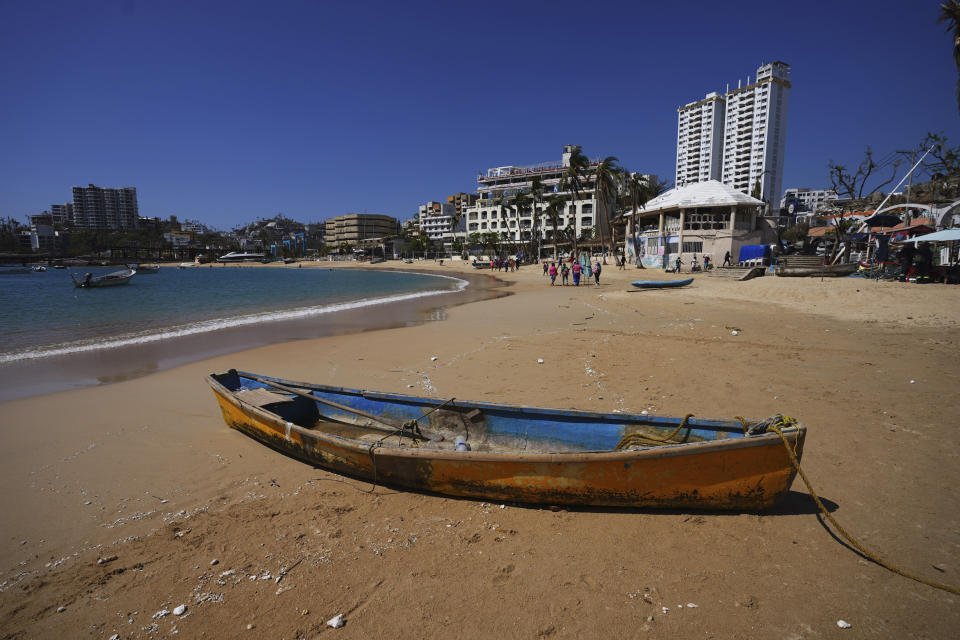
43	315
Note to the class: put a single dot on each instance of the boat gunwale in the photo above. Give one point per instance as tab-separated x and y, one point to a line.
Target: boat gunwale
713	423
793	433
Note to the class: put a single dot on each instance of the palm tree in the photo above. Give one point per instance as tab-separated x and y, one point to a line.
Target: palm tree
950	13
641	189
606	181
573	180
536	193
521	204
555	205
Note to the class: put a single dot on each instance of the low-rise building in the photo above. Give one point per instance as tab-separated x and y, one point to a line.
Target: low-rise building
700	219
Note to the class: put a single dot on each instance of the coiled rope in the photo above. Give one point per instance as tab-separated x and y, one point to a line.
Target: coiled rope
640	439
786	421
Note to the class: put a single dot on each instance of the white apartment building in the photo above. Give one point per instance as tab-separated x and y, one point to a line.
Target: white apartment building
700	140
493	212
754	133
437	221
799	201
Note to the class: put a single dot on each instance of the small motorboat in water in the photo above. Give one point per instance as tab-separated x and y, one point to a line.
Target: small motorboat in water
89	281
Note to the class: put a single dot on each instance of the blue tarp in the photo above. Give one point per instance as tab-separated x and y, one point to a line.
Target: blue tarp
753	252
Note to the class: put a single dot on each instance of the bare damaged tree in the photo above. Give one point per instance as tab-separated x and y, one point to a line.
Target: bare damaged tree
852	185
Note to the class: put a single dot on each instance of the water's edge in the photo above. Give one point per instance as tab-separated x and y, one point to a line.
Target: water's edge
137	356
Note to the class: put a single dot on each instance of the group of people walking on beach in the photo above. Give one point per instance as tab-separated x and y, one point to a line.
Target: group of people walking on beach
576	269
504	264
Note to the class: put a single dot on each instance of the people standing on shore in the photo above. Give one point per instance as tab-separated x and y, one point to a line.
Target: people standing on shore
545	267
596	272
576	274
565	274
553	274
677	265
726	260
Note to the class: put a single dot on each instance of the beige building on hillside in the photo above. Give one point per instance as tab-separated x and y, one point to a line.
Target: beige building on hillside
354	227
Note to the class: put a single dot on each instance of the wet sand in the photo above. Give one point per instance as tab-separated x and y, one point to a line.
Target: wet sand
145	470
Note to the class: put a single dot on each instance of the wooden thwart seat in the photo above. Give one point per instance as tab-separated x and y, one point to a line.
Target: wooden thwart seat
261	397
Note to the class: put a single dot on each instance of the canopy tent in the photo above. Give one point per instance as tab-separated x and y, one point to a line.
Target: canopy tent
940	236
754	252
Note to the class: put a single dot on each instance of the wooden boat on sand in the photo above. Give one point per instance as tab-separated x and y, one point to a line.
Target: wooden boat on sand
827	270
88	281
661	284
512	453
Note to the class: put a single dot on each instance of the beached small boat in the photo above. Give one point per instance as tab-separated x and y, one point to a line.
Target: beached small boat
502	452
827	270
661	284
88	281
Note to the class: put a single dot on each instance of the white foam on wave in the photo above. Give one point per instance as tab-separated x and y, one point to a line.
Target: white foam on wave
218	324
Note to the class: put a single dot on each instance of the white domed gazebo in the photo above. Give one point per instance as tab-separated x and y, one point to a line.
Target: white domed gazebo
704	218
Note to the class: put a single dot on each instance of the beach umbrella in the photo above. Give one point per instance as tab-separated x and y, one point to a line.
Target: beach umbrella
940	236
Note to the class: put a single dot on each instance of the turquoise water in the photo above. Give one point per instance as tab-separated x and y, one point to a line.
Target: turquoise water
42	314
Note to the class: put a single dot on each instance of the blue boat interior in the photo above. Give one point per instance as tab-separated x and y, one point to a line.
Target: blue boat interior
483	426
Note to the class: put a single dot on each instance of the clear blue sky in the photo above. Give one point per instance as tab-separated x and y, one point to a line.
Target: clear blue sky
230	111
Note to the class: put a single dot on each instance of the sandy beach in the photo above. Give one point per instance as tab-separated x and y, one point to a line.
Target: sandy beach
125	500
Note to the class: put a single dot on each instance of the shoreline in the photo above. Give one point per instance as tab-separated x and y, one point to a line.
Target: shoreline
146	471
107	364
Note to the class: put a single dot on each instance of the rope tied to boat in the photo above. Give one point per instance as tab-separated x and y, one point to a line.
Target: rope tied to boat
780	422
643	440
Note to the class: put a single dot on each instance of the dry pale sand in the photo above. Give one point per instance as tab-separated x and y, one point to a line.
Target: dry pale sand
144	474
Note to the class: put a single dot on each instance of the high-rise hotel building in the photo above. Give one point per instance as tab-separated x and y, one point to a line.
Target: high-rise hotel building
739	137
103	208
